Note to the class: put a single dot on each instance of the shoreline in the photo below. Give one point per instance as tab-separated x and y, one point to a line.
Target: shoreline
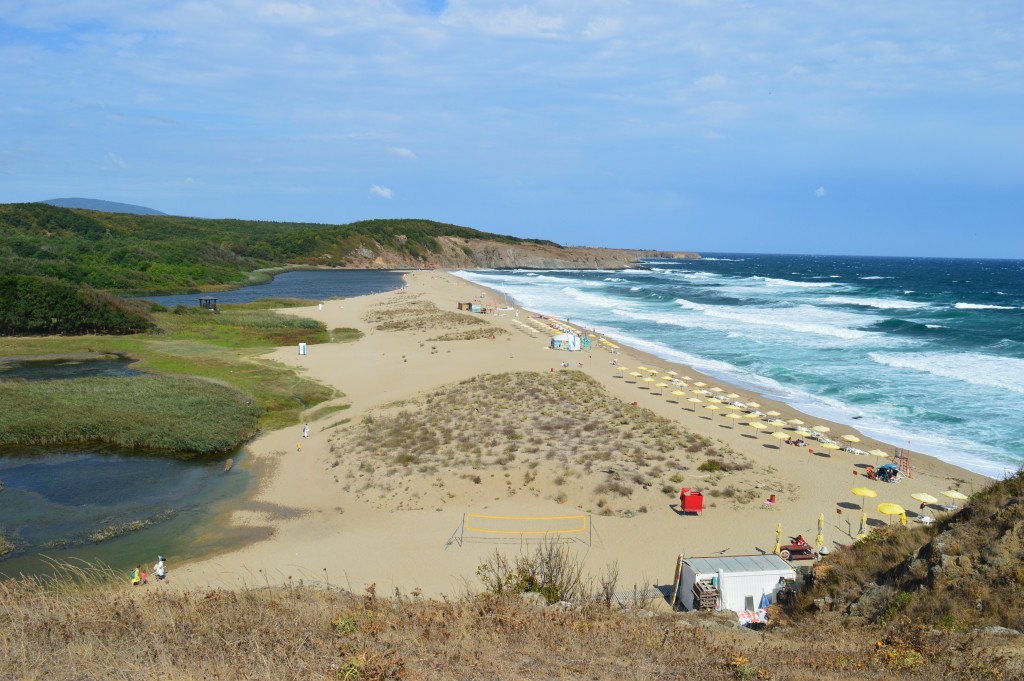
798	398
332	532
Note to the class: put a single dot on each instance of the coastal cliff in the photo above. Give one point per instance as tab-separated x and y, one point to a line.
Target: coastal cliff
459	253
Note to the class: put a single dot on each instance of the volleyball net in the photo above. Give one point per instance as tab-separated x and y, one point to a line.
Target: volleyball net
523	529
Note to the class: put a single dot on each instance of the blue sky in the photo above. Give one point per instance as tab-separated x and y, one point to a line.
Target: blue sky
821	126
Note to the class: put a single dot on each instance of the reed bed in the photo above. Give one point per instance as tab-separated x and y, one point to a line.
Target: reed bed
182	414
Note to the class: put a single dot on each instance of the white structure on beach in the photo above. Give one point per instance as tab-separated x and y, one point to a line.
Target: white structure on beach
566	341
737	583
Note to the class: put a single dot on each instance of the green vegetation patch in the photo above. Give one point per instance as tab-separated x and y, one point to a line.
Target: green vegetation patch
241	327
31	305
183	414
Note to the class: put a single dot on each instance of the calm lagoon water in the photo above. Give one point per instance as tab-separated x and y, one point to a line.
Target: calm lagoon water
308	284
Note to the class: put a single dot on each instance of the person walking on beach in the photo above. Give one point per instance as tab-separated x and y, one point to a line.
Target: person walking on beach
305	430
160	570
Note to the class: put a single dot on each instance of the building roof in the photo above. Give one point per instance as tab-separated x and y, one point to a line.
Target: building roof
768	562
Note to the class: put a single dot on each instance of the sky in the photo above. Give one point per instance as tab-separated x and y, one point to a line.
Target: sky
818	126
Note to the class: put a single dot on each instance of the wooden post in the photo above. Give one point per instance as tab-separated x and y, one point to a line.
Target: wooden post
675	580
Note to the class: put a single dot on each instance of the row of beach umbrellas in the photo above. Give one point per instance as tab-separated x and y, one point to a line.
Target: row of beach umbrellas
715	399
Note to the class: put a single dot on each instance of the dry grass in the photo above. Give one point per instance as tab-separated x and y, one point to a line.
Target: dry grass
559	425
407	313
963	572
88	624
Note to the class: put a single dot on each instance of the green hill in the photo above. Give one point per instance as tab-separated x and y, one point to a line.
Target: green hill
129	253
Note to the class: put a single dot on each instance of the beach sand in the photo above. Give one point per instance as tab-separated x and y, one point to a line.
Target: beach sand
346	508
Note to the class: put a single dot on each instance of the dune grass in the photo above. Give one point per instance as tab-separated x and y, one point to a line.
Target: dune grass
563	425
87	623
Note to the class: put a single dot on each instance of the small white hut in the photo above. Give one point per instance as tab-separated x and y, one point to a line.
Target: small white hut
737	583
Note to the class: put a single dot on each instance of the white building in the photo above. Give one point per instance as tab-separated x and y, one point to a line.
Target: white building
737	583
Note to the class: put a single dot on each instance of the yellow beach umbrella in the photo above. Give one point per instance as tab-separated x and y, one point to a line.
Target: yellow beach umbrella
700	384
795	422
864	492
734	415
635	374
661	385
648	380
819	541
821	429
714	400
694	401
642	368
753	405
879	453
711	407
890	509
829	445
780	435
716	389
678	393
686	378
772	413
732	407
733	396
666	377
850	438
672	373
923	497
803	432
757	425
654	371
953	494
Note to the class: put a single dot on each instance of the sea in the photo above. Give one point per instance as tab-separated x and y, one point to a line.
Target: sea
921	353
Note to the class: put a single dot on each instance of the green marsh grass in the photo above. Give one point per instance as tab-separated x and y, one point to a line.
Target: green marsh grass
173	413
222	348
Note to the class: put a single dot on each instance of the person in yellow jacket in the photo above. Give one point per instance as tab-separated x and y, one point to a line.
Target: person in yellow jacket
136	575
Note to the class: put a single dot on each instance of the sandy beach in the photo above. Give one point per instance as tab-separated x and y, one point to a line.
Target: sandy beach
346	506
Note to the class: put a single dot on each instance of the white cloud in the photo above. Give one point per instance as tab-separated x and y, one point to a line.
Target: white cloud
402	152
382	192
114	161
602	27
819	192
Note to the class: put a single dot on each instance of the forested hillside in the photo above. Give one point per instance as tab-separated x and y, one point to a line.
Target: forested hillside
148	253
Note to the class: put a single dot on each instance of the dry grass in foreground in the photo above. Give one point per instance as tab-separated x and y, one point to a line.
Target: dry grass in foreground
555	435
90	625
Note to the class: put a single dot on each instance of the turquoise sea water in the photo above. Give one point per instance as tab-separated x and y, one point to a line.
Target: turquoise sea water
925	353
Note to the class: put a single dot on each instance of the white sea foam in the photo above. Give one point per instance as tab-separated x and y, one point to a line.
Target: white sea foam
769	281
1005	373
977	306
874	277
879	303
